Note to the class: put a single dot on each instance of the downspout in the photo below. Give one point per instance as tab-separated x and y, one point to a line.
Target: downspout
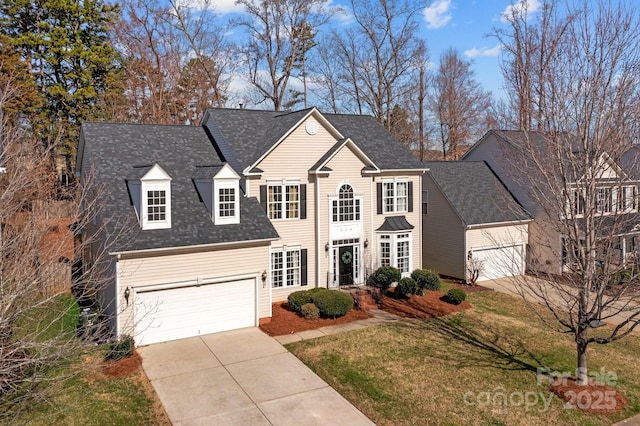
118	296
317	209
372	243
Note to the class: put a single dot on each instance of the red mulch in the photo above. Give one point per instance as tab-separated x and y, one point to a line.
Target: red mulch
122	367
592	398
431	305
286	321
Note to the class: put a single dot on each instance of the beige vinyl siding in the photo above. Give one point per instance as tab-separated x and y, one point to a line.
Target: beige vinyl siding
186	268
291	161
497	236
443	235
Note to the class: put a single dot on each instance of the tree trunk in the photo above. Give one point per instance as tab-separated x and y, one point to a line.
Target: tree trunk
581	347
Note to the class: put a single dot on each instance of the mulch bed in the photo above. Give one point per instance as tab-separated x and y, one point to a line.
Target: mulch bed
432	305
592	398
122	367
286	321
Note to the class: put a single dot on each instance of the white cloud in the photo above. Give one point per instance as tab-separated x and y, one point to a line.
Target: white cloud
520	7
483	51
437	15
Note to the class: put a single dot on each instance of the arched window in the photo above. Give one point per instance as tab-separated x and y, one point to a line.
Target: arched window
347	207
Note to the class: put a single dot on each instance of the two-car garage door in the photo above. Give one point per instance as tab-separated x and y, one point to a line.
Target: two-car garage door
500	262
174	313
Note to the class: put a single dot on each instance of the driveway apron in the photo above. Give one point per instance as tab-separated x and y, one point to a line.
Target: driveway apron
241	377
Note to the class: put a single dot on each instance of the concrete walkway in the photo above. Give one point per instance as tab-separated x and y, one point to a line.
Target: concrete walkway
241	377
379	317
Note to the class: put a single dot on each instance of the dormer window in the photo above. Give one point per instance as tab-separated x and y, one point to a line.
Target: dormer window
150	193
219	189
156	190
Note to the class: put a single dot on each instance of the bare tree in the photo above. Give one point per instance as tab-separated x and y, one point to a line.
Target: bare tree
378	54
177	61
280	34
458	104
576	178
528	48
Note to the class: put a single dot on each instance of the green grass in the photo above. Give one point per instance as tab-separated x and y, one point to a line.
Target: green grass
73	389
418	371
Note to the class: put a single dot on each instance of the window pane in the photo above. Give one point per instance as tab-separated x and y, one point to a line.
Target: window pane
401	196
293	201
385	250
156	205
346	205
387	196
275	202
276	269
226	204
293	268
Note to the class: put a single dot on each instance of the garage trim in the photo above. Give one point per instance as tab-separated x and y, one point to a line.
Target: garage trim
521	245
152	288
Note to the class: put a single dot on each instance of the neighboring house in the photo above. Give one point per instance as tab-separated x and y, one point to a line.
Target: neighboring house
616	189
237	213
471	222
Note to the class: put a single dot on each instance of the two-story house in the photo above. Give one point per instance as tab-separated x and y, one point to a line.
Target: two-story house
552	184
232	215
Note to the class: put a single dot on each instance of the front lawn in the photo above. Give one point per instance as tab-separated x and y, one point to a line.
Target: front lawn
475	367
75	390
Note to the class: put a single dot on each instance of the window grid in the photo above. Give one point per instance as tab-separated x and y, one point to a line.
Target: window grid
387	189
293	201
402	255
227	202
275	202
283	201
604	200
385	250
156	205
277	268
293	268
401	197
285	268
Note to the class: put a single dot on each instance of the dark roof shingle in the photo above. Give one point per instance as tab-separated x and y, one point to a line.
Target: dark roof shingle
475	192
111	153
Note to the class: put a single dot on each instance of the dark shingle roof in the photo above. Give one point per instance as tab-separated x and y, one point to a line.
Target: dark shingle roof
245	135
395	223
112	151
475	192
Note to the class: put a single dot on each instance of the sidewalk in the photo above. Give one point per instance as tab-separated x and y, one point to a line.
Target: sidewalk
379	317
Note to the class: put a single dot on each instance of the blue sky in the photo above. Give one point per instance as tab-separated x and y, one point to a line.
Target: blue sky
462	24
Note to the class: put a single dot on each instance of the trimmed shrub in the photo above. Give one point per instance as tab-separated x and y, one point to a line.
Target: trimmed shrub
333	303
407	286
383	277
317	290
121	348
310	311
299	298
456	296
426	279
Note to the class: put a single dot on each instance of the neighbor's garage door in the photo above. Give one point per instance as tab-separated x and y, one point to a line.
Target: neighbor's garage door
500	262
176	313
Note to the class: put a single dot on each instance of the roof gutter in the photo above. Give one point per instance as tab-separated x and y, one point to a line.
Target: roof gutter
199	246
494	224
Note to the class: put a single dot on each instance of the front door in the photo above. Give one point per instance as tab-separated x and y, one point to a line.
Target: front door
345	265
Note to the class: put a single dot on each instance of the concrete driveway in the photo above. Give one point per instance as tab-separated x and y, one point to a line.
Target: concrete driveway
241	377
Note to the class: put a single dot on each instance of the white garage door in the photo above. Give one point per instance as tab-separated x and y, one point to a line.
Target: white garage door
176	313
500	262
